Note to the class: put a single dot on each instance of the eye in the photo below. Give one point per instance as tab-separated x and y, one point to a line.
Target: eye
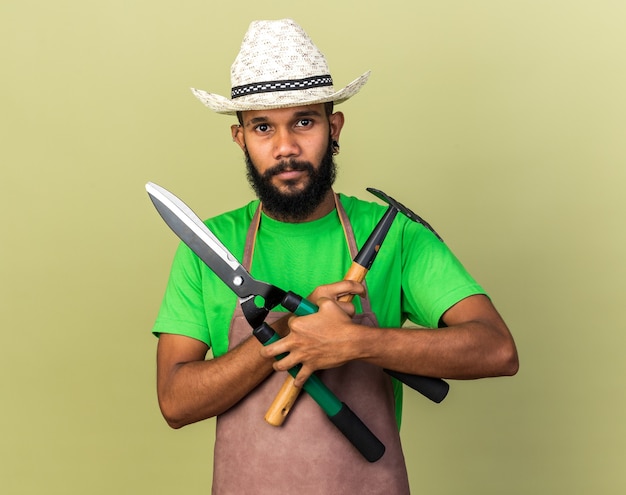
262	128
304	123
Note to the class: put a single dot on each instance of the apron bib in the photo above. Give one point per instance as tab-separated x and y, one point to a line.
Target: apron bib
308	455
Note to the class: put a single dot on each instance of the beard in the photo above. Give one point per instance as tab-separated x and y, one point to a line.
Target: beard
297	205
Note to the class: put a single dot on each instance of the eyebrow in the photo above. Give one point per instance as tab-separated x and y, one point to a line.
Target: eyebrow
297	115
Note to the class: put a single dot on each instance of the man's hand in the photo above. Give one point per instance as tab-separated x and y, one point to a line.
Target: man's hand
321	340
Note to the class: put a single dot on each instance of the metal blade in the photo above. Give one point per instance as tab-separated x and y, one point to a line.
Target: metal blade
195	234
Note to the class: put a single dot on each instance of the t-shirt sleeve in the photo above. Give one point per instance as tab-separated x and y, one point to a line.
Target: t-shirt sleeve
433	279
182	309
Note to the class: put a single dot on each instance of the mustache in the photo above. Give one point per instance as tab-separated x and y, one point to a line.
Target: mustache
288	166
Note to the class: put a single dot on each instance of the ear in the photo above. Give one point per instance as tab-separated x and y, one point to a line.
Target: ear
237	133
336	121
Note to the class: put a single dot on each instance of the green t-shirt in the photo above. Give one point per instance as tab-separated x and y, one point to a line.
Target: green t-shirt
415	276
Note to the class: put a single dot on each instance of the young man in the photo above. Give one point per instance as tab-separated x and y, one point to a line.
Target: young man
301	236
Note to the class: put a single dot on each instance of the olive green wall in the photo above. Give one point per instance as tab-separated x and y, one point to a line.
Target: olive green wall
503	123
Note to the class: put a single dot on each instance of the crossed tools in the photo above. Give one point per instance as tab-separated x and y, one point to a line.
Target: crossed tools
193	232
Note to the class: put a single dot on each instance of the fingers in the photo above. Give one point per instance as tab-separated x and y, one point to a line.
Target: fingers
346	307
336	290
276	349
323	324
288	362
311	343
302	376
304	371
316	341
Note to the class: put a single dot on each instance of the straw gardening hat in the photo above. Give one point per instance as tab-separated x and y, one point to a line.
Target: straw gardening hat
278	66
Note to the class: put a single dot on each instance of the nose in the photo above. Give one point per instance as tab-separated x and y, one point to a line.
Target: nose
285	145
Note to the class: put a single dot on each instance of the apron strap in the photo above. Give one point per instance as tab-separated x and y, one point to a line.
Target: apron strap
251	239
347	230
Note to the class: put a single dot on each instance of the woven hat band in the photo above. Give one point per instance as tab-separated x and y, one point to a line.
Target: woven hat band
285	85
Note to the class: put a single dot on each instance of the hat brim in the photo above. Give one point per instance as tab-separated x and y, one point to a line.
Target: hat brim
279	99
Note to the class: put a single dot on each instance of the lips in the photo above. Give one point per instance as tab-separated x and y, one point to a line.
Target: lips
290	175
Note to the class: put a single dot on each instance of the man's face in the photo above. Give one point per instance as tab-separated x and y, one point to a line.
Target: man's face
289	157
